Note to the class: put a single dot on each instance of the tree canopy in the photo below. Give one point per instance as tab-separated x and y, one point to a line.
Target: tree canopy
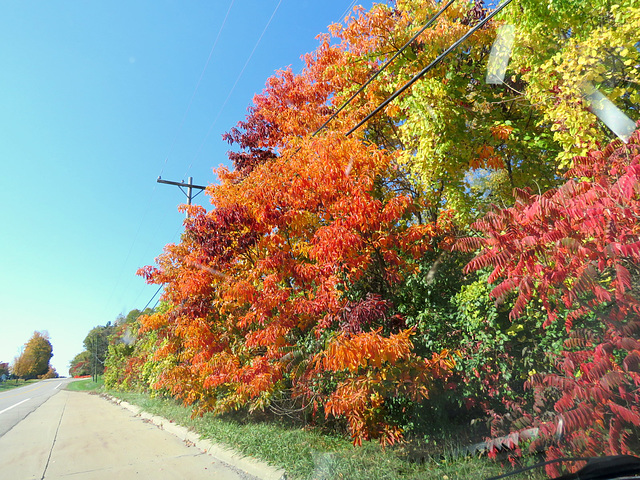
350	276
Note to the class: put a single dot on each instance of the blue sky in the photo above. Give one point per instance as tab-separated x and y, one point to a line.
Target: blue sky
97	99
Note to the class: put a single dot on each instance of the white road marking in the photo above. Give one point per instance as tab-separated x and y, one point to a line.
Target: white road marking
12	406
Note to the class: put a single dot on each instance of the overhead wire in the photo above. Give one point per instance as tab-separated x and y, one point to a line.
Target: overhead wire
384	66
135	239
232	88
175	137
224	104
433	64
154	296
398	92
347	10
184	116
173	239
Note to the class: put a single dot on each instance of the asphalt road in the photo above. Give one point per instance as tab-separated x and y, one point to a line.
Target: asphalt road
16	404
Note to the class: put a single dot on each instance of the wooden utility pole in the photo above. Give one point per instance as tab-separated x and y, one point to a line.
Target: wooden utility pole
189	185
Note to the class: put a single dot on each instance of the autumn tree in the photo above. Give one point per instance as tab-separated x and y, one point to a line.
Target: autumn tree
257	286
127	365
575	252
34	359
96	343
582	45
323	279
91	361
80	365
471	143
293	273
51	373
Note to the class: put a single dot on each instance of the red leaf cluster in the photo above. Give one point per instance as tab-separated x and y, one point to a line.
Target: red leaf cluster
576	249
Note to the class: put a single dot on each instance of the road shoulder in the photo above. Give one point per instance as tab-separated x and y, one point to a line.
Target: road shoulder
75	434
250	465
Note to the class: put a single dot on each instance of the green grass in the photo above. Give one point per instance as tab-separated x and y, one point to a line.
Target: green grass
11	384
307	454
86	385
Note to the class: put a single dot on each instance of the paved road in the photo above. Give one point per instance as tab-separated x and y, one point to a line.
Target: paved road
74	435
16	404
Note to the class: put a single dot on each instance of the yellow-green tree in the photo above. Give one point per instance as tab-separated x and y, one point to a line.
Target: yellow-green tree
34	359
470	141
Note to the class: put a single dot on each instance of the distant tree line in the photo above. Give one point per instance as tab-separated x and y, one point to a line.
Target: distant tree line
97	343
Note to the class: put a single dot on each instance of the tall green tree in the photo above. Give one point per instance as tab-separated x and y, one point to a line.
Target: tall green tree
96	343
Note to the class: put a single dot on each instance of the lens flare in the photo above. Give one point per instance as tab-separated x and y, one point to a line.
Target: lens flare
500	55
608	113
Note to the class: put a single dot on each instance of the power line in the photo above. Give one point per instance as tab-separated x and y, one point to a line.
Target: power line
154	296
215	43
386	64
135	239
347	11
393	96
184	116
224	104
439	59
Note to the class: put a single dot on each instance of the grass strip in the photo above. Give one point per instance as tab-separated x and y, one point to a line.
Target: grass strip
86	385
307	454
11	384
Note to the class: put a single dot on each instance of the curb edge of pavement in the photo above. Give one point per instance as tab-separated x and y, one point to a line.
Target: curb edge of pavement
253	466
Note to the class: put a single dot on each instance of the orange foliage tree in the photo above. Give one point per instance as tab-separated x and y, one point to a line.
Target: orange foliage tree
258	287
281	296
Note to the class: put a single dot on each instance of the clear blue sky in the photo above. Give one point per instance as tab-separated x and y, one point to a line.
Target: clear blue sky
97	99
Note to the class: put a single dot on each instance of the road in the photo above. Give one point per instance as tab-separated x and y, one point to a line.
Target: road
16	404
49	433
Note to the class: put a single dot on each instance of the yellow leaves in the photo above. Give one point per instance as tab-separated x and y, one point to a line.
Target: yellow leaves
301	221
443	361
152	322
594	55
393	110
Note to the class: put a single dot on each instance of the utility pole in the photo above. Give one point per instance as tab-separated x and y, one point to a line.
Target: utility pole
95	359
189	185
